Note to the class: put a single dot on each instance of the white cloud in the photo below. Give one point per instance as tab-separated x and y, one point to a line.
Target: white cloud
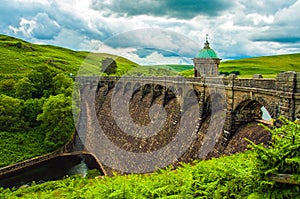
245	28
25	27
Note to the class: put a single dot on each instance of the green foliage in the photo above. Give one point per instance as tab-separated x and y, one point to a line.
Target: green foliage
24	88
283	153
57	121
10	111
34	109
62	85
281	157
243	175
151	71
7	86
19	146
41	79
109	66
30	110
19	57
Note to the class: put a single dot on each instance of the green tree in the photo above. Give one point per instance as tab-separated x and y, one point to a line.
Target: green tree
109	66
57	121
62	84
8	86
41	78
30	110
24	88
10	111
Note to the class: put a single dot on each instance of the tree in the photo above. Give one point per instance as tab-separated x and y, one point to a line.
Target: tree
24	88
57	121
30	110
10	109
41	79
109	66
62	84
8	86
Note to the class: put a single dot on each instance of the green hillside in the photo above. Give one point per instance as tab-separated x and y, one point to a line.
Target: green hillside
18	57
268	66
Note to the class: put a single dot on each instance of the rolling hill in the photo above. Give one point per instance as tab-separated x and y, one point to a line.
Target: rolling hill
18	57
268	66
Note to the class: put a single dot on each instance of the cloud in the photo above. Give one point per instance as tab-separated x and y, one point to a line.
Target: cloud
164	41
168	8
40	27
285	28
135	29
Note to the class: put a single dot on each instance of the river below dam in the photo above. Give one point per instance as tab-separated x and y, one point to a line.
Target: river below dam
53	169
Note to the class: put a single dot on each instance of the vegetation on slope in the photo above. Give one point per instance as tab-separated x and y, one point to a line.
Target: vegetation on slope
19	57
268	66
35	95
35	115
244	175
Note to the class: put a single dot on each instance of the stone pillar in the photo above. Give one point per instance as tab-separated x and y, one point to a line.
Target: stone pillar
229	122
286	86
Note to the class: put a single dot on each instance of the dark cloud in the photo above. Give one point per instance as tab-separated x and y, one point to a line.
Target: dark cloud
186	9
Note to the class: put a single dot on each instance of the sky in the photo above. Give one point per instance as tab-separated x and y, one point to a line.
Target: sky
157	31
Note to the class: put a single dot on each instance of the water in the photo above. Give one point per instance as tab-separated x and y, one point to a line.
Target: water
53	169
80	168
265	114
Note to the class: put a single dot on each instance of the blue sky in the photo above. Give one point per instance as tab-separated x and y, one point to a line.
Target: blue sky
157	31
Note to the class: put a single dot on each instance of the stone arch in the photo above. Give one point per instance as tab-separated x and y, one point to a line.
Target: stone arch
137	86
127	87
111	84
147	88
261	100
119	86
192	93
249	110
190	98
169	94
215	102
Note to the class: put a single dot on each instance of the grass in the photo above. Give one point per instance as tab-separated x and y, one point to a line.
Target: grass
18	57
216	178
268	66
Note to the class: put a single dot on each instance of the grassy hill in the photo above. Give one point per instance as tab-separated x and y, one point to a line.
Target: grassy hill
268	66
18	57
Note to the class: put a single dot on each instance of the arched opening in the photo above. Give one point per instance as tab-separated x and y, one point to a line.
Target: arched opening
265	114
249	111
246	117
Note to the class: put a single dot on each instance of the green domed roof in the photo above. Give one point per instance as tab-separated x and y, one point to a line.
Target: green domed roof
206	52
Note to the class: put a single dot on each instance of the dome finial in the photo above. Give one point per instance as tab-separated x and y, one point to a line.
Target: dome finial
206	44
